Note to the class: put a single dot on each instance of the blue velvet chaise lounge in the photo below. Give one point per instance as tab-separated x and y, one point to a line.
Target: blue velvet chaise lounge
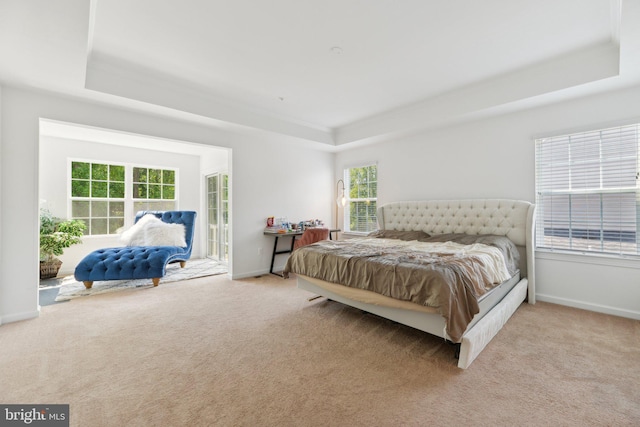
138	262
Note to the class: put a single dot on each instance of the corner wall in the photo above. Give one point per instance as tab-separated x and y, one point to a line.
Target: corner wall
495	158
270	176
1	192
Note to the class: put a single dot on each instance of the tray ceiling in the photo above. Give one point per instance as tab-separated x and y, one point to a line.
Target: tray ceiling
335	72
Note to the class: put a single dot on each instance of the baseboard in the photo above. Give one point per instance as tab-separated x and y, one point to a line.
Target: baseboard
16	317
246	275
256	273
598	308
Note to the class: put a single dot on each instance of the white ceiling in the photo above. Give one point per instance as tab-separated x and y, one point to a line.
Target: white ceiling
401	66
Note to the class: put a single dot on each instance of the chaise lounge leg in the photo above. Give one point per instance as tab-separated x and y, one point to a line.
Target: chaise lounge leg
88	284
156	281
183	263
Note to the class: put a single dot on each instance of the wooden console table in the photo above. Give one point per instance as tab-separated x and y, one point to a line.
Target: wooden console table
293	235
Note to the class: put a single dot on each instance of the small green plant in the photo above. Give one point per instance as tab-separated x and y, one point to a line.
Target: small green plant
57	234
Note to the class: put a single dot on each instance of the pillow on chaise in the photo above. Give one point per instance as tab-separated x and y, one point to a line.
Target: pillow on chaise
164	234
134	236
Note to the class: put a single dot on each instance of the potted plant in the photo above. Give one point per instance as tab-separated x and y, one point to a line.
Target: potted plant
56	234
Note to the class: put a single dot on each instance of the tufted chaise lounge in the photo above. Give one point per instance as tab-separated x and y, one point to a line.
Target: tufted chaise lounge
138	262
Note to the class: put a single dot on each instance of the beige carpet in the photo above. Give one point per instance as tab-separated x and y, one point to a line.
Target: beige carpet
212	351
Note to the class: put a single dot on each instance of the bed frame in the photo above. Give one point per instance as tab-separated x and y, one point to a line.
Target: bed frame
511	218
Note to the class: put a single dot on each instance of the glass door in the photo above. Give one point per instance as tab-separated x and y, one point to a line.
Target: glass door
224	214
218	216
213	240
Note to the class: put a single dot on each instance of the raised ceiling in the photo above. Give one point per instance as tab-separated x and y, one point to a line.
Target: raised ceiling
334	72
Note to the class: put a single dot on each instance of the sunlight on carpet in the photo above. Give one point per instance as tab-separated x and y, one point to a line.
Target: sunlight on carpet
71	288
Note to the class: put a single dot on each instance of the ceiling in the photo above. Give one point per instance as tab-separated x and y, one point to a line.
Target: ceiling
333	72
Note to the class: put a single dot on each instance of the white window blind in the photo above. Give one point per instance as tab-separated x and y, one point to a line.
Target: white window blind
587	191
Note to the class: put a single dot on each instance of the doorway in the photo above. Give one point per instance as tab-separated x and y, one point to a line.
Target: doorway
63	143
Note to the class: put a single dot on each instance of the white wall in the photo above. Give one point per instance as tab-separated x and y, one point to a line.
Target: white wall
214	161
270	176
54	182
487	158
1	197
494	158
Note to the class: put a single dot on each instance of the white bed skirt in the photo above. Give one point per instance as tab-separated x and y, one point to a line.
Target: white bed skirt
477	338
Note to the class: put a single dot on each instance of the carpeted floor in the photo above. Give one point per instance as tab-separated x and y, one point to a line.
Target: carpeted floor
66	288
217	352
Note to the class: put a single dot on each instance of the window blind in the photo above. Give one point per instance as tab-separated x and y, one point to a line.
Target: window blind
362	193
587	191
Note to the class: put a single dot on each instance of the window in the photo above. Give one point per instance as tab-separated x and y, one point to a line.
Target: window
362	194
587	191
97	196
153	189
105	195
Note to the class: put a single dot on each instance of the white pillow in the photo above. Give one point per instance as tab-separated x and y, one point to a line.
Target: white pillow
164	234
134	236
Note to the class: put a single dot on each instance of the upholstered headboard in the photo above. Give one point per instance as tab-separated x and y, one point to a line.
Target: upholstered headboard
503	217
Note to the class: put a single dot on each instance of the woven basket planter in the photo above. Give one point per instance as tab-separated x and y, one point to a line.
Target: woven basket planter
49	269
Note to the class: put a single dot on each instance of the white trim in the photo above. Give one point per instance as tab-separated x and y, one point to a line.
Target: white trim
254	273
93	4
616	20
359	165
606	309
16	317
588	258
586	128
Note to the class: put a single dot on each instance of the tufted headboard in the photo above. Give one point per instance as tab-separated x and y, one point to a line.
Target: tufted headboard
503	217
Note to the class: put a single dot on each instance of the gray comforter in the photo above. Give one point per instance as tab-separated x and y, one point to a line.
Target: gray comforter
448	276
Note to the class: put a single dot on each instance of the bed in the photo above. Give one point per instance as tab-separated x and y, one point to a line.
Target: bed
474	220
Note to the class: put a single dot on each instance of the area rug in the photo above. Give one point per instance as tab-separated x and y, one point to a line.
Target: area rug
71	288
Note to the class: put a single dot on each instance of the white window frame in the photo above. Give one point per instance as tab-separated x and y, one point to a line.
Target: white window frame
346	220
71	199
578	190
129	201
147	201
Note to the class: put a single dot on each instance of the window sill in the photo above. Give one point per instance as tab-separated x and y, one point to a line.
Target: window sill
586	258
101	236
